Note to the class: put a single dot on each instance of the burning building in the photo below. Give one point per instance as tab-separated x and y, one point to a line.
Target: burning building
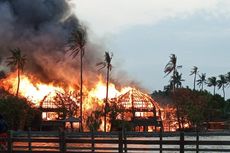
140	109
41	30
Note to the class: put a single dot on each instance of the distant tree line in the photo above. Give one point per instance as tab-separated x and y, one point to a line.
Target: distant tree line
194	106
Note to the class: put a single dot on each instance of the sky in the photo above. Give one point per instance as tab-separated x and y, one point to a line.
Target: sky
143	33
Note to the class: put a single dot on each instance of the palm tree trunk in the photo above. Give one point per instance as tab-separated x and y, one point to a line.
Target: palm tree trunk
81	85
194	85
18	81
202	86
106	97
174	73
223	91
214	90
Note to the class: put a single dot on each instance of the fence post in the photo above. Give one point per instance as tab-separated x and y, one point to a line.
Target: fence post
93	142
120	143
161	140
125	138
29	140
181	142
197	142
9	143
62	143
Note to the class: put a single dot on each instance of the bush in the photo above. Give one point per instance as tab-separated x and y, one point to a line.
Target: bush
18	113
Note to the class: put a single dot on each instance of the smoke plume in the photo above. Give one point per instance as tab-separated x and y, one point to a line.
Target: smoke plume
41	29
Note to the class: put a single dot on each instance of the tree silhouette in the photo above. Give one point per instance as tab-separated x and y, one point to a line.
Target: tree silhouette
194	72
221	83
17	60
212	82
177	80
228	78
77	42
202	80
106	63
171	67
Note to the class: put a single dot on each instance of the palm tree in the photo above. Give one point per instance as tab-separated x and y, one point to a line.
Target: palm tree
201	80
221	83
194	72
106	63
228	78
171	67
77	42
17	60
212	82
177	80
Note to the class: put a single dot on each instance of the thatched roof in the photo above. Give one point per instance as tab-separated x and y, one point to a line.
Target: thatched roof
138	100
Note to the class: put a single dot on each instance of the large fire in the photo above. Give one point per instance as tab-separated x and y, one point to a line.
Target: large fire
30	87
35	91
43	39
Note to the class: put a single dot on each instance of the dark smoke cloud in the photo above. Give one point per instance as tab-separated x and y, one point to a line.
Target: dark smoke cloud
41	28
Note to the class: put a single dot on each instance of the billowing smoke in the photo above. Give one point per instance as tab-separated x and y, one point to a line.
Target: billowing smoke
41	29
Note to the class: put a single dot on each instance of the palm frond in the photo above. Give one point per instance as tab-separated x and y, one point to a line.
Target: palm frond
194	70
16	58
77	42
102	64
168	70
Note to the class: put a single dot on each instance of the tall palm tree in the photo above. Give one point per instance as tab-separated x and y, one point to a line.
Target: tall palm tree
212	82
221	83
171	67
201	80
17	60
77	42
106	63
194	72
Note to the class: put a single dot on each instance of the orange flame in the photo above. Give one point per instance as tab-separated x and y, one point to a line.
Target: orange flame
35	91
30	88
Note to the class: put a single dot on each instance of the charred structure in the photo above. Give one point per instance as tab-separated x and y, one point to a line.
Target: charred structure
140	110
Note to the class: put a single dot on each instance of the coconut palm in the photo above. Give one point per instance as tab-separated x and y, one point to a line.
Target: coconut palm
194	72
106	63
221	83
212	82
77	42
177	80
17	60
228	78
201	80
171	67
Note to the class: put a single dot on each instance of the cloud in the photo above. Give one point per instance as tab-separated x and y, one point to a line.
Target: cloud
112	16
